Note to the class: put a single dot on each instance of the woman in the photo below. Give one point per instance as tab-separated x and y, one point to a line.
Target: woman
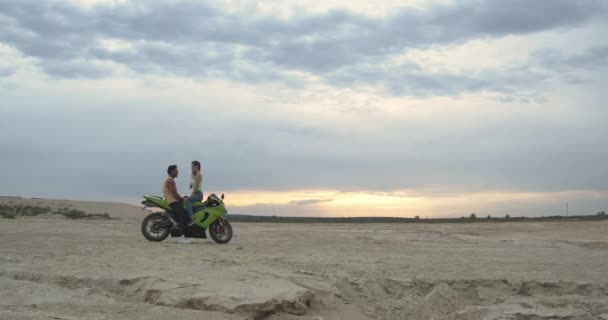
196	186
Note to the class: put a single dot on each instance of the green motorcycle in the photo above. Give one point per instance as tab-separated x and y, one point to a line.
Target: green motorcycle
209	214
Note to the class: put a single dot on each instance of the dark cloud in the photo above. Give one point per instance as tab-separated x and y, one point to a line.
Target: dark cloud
193	39
496	18
556	60
6	72
75	69
516	80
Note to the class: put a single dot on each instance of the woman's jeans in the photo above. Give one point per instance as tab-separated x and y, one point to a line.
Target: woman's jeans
197	196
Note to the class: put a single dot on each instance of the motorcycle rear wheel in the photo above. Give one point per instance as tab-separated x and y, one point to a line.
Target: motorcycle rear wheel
220	231
151	228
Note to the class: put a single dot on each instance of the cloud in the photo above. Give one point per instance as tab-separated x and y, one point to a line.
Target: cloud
338	46
308	202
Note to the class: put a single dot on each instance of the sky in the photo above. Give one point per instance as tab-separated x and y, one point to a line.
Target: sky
302	108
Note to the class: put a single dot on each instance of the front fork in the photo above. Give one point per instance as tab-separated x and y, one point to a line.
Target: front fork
220	222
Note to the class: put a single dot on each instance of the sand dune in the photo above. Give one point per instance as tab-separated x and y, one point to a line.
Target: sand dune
105	269
115	210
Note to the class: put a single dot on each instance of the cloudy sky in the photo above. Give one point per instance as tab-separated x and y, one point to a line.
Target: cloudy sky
332	108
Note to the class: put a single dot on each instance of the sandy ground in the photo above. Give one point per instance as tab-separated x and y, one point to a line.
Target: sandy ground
60	269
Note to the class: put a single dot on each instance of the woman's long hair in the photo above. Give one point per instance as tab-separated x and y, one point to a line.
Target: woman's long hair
198	165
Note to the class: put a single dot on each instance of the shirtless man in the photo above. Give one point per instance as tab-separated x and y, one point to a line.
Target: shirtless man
175	202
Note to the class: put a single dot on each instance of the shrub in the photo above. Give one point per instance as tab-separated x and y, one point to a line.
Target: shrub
72	214
7	215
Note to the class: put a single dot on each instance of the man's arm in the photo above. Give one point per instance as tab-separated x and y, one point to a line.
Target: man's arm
197	182
172	188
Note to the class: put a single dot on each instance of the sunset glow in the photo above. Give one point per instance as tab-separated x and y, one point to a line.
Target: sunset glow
398	204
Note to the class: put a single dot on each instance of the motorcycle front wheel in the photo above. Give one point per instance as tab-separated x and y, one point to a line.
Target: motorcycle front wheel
220	231
154	227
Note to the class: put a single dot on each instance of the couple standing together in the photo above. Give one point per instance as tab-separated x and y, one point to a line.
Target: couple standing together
178	202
